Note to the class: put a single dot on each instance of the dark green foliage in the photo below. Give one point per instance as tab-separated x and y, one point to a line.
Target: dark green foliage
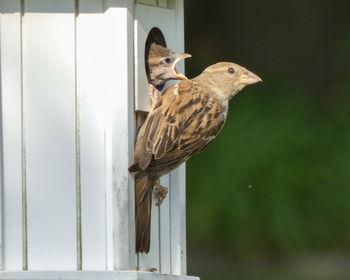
276	180
288	138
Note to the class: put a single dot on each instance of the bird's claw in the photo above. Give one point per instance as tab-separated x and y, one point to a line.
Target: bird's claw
153	269
160	193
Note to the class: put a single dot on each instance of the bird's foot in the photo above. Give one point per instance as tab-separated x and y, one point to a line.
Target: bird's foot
154	95
160	193
153	269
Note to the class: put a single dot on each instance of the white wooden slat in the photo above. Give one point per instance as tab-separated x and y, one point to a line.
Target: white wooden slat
147	17
11	134
164	225
150	261
163	3
49	90
1	168
178	176
92	103
178	7
178	221
119	82
147	2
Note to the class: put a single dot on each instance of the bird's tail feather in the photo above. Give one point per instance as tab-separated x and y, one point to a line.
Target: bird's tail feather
143	200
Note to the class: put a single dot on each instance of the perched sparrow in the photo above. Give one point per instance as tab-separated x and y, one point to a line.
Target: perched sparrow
161	67
185	119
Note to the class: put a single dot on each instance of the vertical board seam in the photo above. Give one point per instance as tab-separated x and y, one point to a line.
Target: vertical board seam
77	144
170	223
105	193
159	239
24	154
133	121
1	166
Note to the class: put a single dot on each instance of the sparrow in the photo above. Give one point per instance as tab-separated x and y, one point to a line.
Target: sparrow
184	120
161	67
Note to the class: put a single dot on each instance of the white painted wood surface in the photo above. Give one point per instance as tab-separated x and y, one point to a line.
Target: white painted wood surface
75	74
164	230
178	222
94	127
147	17
147	2
120	86
11	150
163	3
49	109
150	261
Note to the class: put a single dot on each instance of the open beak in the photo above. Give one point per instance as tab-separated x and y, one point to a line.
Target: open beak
180	57
249	78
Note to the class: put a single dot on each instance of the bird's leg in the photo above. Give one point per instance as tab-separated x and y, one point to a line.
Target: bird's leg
160	193
154	95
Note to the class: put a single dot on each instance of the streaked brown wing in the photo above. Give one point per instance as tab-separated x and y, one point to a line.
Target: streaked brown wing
185	119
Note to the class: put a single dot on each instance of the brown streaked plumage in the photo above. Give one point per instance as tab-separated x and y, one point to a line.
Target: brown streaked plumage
185	119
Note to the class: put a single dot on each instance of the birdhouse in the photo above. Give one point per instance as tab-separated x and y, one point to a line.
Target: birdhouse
73	89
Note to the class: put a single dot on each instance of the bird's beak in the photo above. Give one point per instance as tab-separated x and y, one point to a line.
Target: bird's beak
249	78
180	57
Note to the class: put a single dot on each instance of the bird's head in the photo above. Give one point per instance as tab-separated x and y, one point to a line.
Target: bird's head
162	65
229	78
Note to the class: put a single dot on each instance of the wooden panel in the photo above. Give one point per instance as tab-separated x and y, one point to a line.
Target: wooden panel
162	3
150	261
147	2
11	150
92	111
164	226
178	176
49	90
146	18
119	84
178	221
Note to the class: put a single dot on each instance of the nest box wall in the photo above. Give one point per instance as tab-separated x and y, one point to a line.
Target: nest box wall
165	21
72	76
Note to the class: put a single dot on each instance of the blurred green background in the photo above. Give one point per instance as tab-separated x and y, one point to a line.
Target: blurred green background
270	198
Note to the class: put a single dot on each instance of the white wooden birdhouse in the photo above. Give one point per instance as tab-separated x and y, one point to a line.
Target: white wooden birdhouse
72	79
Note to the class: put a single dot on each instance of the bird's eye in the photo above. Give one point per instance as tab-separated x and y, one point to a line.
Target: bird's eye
231	70
167	60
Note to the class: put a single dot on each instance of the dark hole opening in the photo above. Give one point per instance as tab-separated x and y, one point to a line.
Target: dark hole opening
154	36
